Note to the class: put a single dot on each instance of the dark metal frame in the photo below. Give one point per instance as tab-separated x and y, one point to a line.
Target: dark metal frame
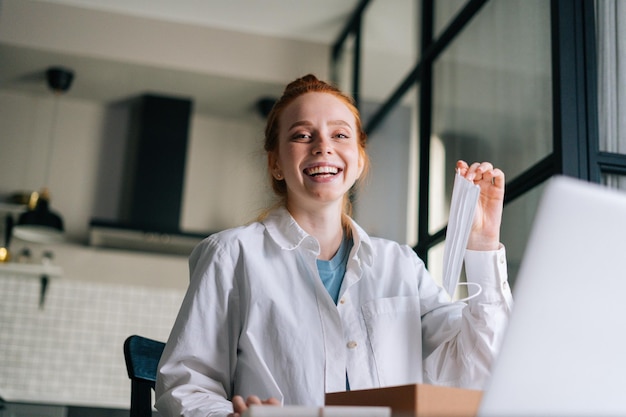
575	131
353	27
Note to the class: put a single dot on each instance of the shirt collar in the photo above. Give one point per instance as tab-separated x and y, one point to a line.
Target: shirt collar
363	244
284	230
287	234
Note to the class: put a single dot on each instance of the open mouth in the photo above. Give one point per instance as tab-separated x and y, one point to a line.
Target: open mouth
320	171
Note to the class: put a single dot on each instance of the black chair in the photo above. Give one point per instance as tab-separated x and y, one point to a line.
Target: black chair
142	360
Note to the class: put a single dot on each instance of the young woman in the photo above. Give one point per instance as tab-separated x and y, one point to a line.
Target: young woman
304	302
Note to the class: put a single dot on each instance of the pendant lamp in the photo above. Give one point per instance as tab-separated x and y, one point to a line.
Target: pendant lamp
39	223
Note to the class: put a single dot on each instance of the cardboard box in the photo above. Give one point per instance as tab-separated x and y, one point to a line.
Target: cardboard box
418	400
313	411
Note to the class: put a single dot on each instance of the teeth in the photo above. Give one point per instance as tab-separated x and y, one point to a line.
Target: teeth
322	170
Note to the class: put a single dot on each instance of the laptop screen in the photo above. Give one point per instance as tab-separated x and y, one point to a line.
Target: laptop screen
564	353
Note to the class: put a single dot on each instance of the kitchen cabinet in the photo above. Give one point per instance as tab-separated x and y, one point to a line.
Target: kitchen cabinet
9	409
32	410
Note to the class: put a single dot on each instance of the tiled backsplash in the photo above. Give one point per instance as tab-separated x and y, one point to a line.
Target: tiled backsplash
70	350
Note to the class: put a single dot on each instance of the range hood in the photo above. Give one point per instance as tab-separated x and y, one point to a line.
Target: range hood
149	211
115	236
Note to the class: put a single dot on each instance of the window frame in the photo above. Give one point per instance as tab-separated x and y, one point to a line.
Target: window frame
574	100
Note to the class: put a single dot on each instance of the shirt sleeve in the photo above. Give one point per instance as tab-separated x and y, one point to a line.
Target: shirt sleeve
461	339
194	371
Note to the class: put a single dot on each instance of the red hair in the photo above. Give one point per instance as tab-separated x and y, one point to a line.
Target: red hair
309	84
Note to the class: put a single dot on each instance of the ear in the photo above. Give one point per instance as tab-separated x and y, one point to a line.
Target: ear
273	166
361	164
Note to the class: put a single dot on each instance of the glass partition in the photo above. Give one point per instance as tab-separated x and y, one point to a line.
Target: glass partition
445	11
517	221
492	96
611	55
614	181
386	204
435	262
343	65
389	48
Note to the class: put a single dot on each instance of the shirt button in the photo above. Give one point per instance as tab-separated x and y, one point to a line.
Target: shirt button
501	259
351	344
342	301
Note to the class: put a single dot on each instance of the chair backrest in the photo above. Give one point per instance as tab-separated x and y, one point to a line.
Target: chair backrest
142	360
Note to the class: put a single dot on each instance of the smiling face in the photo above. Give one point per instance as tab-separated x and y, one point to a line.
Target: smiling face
318	153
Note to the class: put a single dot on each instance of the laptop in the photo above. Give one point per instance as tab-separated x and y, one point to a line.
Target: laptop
564	352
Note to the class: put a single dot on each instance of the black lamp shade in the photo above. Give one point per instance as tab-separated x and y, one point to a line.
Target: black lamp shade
59	78
39	224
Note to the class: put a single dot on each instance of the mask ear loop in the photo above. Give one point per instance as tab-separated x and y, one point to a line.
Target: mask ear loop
467	284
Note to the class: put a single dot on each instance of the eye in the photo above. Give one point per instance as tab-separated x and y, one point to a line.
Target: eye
301	136
341	135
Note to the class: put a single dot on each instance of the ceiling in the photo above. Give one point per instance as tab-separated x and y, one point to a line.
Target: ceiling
318	21
312	20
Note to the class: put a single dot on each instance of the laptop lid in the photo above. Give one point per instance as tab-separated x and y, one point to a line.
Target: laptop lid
564	353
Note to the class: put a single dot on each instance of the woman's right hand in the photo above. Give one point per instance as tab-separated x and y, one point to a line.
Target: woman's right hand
240	405
485	233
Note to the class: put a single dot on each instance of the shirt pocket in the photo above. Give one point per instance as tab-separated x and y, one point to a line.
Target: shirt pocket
394	331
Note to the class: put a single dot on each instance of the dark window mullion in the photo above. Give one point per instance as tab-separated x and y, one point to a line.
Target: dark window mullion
431	49
611	163
591	70
355	18
356	66
425	126
574	112
428	55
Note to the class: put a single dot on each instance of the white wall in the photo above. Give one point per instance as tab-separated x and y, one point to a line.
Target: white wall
225	183
26	125
105	295
225	175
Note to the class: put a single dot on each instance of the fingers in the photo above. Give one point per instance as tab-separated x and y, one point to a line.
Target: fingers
496	177
252	400
462	167
240	405
477	171
481	172
271	401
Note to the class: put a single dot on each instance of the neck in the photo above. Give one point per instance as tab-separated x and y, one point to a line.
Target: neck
324	224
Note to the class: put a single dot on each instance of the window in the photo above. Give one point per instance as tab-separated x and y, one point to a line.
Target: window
510	81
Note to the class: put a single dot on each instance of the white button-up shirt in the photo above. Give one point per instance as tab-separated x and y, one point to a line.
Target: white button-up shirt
257	320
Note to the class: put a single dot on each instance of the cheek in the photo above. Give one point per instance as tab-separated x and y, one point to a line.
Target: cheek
287	158
357	163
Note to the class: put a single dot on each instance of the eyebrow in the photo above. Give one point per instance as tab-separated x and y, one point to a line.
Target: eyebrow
330	123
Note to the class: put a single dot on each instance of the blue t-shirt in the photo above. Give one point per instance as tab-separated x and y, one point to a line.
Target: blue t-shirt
332	271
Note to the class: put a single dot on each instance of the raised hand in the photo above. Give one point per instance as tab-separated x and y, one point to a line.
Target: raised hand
485	234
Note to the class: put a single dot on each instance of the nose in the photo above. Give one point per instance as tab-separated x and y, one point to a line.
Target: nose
322	145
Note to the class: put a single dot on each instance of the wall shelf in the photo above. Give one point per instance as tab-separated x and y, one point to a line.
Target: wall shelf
31	270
